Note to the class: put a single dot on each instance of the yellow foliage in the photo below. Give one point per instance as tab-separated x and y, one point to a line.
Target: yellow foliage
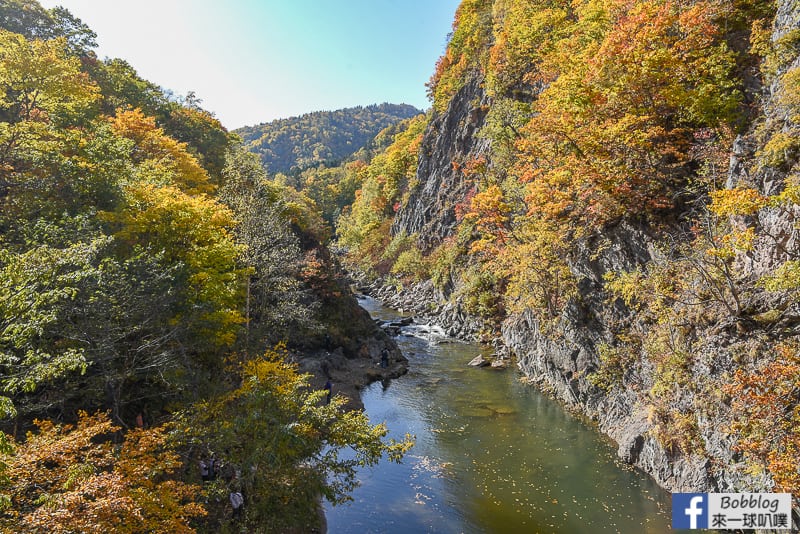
781	148
384	185
195	231
790	92
465	51
785	277
733	243
539	278
161	153
739	201
40	78
489	212
287	442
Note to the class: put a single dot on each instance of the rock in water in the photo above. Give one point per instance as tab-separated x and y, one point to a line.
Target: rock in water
479	361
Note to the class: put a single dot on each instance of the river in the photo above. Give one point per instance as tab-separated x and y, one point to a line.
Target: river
491	455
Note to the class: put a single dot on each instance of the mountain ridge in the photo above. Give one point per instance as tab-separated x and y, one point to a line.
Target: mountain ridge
293	144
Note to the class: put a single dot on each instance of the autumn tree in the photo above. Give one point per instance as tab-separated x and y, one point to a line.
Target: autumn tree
328	138
205	137
466	50
767	415
160	158
385	182
195	232
39	80
75	478
613	131
276	302
282	446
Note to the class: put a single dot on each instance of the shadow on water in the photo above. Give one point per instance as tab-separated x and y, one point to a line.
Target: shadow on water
492	455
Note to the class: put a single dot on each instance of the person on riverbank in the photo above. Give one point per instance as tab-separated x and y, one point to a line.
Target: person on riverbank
204	470
213	468
237	502
329	388
385	358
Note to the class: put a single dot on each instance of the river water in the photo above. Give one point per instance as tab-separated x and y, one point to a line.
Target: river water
491	455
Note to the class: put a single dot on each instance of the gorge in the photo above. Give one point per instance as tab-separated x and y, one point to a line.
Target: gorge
491	454
603	197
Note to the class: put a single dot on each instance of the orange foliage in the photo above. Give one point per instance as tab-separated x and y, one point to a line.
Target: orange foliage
613	131
765	405
76	479
490	214
157	149
475	166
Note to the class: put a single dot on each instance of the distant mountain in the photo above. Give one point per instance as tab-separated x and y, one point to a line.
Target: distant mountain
291	145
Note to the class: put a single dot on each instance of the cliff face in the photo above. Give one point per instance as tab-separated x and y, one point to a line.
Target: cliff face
779	238
450	140
562	358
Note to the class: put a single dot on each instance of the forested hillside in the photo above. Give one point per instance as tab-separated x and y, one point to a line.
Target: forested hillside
608	190
323	137
154	289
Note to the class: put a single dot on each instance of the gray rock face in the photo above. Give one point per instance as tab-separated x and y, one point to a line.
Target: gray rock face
560	366
449	142
780	235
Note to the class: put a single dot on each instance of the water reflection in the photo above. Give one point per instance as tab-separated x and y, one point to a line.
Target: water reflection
492	455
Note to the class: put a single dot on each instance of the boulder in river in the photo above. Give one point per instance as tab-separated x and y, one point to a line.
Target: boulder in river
405	321
392	330
499	363
479	361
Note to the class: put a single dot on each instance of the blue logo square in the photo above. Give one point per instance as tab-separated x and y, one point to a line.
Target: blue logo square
690	510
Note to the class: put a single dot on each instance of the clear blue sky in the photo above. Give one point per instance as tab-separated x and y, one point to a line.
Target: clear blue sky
252	61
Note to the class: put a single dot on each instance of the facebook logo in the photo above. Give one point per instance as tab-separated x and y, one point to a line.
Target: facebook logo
689	510
732	510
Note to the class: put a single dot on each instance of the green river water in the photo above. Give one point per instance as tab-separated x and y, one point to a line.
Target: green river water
491	455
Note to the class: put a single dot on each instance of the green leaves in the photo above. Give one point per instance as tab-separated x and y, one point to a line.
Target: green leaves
38	289
287	446
384	187
195	231
321	138
277	303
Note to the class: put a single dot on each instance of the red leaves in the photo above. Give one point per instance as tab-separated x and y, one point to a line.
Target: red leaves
766	407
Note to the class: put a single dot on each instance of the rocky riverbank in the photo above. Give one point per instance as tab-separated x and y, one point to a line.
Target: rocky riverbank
426	304
351	360
560	369
664	400
649	323
349	375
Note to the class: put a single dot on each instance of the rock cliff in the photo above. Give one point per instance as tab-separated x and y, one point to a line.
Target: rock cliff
450	140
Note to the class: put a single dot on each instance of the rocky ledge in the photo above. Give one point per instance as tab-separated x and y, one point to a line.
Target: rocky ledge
349	375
